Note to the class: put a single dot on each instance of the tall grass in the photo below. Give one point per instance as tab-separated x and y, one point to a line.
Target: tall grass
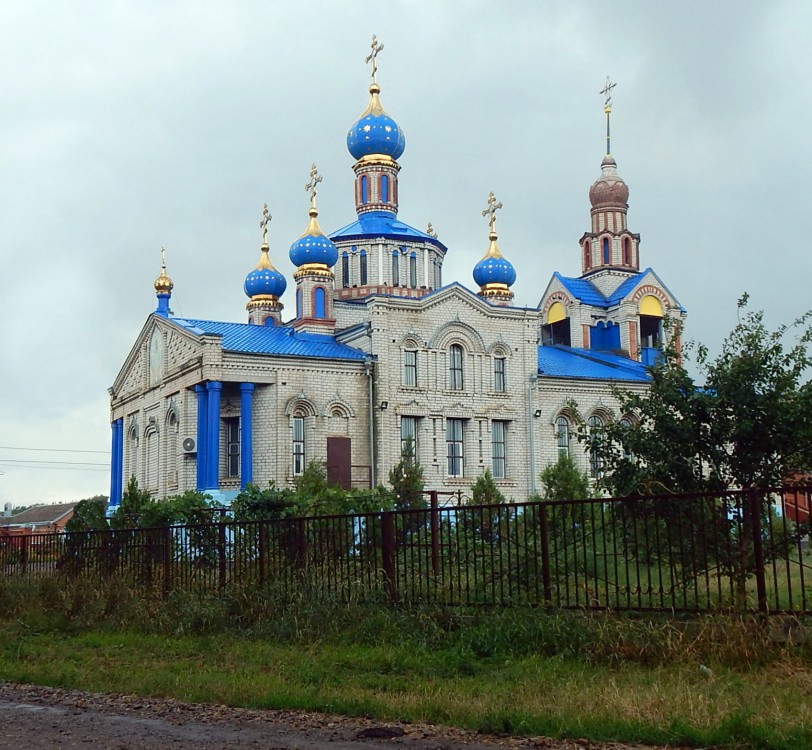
523	671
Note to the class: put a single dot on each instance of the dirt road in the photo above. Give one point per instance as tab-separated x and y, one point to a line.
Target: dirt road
40	718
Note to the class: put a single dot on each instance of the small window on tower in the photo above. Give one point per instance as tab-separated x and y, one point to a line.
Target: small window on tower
345	269
362	267
384	189
606	256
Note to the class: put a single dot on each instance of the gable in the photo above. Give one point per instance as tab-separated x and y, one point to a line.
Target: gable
170	347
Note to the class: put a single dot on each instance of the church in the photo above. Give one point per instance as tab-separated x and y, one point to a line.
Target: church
380	351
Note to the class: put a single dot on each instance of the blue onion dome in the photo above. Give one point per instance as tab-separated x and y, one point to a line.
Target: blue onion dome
494	268
313	247
375	132
265	280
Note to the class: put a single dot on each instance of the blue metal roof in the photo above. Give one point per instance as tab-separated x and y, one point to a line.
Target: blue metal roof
585	291
280	340
383	224
566	362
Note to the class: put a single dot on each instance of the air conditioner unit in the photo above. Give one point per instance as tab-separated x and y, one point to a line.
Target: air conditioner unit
189	445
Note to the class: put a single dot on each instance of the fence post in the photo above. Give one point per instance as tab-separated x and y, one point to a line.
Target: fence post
754	501
261	551
167	560
221	545
545	554
388	555
435	533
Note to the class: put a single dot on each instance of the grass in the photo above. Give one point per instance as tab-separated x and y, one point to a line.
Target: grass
517	671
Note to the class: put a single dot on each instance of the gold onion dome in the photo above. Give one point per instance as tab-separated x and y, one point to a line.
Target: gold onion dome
163	284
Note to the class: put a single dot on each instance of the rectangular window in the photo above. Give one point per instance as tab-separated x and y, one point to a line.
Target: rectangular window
454	445
298	446
233	447
395	268
498	451
413	270
410	368
345	270
408	433
499	384
362	267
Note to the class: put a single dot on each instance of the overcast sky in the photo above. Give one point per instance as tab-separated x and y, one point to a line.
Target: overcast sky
125	126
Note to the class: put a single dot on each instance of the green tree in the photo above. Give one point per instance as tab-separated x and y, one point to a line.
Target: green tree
485	491
747	426
406	480
563	480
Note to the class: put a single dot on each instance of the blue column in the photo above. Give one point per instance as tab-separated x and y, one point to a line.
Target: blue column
116	461
202	408
213	390
246	436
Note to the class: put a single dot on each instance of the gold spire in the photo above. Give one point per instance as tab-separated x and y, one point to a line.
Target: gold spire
313	227
607	108
430	231
265	260
163	284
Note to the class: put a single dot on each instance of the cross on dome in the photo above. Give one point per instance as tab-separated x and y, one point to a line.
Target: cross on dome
263	224
490	211
315	179
373	57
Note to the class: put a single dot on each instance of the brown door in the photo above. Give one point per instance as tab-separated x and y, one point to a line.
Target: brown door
339	460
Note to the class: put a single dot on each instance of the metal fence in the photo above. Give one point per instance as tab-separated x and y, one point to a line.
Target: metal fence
730	551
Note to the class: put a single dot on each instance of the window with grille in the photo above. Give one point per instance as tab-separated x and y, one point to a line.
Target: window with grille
454	444
562	436
456	381
595	424
233	447
408	435
410	368
498	449
499	382
298	446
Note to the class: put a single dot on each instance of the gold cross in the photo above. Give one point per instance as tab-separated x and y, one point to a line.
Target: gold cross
315	179
372	57
607	92
491	210
263	224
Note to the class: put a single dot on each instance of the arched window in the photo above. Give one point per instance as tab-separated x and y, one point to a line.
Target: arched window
587	256
456	381
595	424
319	306
298	445
384	189
626	424
606	256
364	189
627	251
362	267
438	275
413	270
562	436
269	321
499	375
345	269
152	460
395	269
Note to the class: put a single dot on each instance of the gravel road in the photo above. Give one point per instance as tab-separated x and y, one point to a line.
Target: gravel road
42	718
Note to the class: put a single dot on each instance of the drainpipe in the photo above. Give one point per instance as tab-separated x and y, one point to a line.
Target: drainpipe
368	370
531	430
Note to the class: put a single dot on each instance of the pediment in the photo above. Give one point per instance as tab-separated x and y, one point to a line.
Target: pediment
160	348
